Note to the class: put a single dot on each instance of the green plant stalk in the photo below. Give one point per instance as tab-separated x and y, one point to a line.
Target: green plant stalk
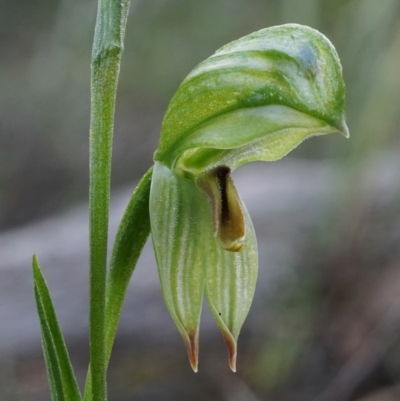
132	234
106	59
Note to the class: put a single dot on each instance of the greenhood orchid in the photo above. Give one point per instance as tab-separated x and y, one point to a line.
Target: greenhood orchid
256	98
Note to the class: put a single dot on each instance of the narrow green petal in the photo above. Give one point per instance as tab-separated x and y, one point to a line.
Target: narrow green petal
230	286
264	133
178	213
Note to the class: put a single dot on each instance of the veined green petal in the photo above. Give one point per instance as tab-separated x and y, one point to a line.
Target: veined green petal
265	133
182	233
230	285
291	66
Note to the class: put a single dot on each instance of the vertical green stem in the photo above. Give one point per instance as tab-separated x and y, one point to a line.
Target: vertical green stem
106	59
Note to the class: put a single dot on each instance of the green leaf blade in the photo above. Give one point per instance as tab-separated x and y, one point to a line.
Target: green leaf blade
50	355
132	234
62	380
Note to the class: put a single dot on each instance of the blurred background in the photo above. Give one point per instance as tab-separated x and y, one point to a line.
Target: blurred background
325	324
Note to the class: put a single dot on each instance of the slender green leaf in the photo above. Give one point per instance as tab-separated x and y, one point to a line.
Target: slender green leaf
132	234
131	237
50	355
61	376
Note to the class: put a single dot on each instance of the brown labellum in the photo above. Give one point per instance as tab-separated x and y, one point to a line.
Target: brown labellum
226	207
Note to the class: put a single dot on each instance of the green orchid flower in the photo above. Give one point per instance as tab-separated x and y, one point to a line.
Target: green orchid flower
256	98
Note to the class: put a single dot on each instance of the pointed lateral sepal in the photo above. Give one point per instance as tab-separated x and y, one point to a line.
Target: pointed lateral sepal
231	344
178	212
191	341
62	380
230	286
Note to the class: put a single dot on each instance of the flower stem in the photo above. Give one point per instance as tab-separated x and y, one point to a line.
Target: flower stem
106	59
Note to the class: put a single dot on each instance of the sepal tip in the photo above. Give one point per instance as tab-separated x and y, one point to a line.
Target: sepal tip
343	129
231	344
191	341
